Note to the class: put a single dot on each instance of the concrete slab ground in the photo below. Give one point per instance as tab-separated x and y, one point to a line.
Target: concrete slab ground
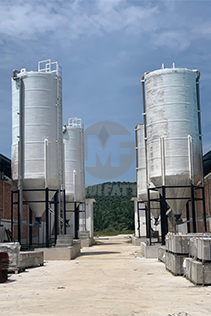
107	279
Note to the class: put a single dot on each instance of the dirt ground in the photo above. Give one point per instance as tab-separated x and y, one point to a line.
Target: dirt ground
107	279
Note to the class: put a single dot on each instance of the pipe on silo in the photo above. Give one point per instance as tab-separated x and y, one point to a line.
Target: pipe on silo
145	125
21	153
200	137
145	141
74	184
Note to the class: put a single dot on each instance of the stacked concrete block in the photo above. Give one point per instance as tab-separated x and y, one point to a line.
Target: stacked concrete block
198	268
177	249
193	247
204	249
174	262
178	243
161	253
197	271
13	251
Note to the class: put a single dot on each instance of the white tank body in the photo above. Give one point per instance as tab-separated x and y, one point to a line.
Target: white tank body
142	182
173	144
42	157
73	138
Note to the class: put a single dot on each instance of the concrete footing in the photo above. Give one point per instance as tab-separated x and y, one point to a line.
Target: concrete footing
62	253
85	240
149	251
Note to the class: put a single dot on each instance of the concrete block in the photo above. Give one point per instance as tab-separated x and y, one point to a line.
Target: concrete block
161	253
197	272
149	251
174	262
13	250
64	240
204	249
29	259
193	247
177	243
86	242
61	253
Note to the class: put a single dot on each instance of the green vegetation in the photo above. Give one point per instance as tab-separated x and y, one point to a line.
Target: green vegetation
113	210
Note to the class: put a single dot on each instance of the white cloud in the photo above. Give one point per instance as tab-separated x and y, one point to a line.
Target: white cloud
73	19
173	40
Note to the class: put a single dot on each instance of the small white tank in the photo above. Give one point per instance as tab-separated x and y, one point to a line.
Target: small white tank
73	138
42	156
142	182
173	140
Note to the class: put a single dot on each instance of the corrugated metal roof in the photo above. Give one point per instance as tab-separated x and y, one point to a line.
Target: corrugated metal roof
207	163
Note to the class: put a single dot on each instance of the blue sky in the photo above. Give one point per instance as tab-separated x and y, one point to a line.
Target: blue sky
104	47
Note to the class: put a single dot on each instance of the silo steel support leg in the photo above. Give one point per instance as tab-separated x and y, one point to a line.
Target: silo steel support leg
164	223
204	210
188	216
64	201
139	234
30	227
12	217
76	220
19	219
56	215
147	226
193	208
85	214
149	218
46	218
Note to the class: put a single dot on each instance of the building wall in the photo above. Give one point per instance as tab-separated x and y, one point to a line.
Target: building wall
199	208
5	213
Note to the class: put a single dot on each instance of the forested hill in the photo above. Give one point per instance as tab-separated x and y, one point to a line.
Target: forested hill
113	210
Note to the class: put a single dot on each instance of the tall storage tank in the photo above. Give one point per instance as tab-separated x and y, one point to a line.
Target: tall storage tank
173	140
142	181
73	138
37	132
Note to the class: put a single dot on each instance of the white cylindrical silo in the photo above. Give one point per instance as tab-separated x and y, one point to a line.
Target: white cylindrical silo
73	138
38	132
173	140
141	176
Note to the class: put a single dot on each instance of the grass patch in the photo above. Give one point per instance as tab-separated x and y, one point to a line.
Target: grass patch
112	232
